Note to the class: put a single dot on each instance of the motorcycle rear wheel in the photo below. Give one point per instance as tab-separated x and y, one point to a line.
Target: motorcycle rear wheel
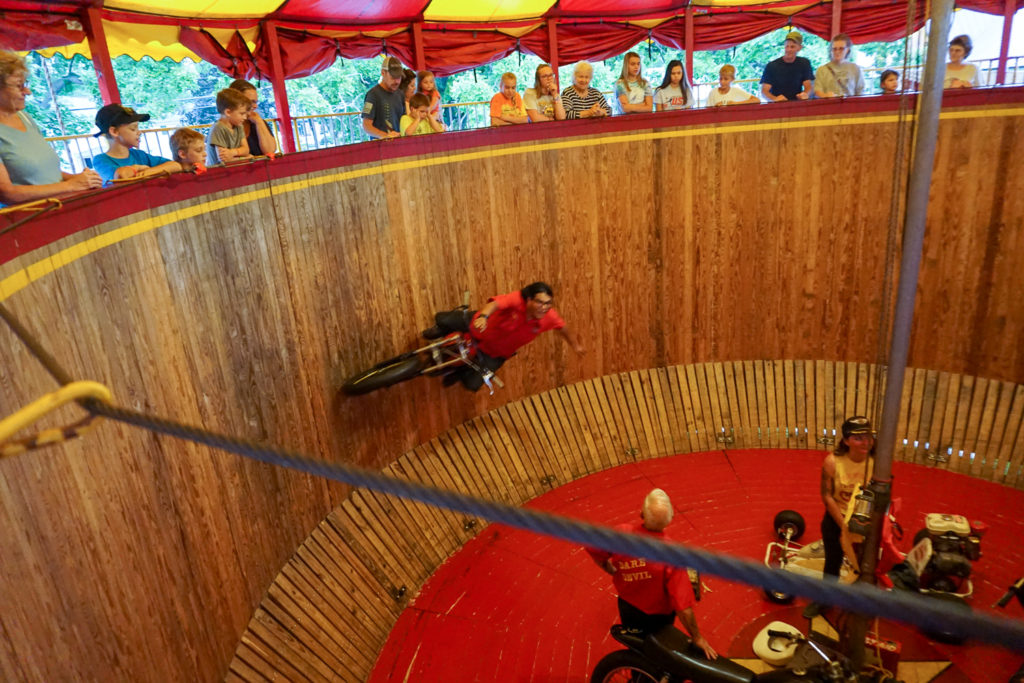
624	666
393	371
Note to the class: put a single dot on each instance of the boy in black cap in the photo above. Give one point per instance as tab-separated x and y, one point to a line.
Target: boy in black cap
120	126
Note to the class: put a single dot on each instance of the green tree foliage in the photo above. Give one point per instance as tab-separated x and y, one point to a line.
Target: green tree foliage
65	95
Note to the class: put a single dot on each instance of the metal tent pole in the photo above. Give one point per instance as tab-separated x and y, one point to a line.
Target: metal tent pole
925	137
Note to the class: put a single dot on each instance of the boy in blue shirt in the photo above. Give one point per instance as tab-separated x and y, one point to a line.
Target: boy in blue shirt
120	126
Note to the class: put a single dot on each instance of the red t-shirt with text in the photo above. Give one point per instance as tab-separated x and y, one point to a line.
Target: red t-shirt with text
651	587
508	328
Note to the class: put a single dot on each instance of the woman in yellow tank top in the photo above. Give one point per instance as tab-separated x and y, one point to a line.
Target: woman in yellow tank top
850	464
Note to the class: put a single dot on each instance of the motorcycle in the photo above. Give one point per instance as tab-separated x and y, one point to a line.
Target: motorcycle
438	358
669	656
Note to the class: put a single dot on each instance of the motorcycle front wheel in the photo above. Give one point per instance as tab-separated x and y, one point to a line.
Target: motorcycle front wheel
624	666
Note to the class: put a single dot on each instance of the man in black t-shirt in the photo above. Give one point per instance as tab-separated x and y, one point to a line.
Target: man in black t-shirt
789	77
384	104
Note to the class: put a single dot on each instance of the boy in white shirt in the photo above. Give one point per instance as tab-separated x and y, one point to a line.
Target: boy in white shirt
726	94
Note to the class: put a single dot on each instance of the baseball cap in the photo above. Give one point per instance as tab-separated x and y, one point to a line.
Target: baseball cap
393	66
795	37
116	115
858	424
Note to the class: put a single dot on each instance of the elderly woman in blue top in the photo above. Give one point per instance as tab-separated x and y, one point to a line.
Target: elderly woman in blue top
123	160
29	168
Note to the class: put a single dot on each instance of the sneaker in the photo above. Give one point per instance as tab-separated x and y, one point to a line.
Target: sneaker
450	379
432	332
812	610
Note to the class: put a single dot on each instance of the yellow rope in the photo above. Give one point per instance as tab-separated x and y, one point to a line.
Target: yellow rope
37	205
43	406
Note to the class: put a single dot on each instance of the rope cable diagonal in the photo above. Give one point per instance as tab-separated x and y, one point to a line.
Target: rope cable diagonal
930	614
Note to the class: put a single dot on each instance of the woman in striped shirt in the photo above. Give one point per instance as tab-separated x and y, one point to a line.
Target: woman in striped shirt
580	100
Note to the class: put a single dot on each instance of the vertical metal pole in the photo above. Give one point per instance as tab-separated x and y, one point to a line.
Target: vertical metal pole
1004	47
925	137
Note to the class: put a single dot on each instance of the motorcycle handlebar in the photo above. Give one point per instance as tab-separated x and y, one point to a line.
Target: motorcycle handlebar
1016	589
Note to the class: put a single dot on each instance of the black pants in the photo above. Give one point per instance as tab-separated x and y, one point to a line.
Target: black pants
631	617
457	320
830	534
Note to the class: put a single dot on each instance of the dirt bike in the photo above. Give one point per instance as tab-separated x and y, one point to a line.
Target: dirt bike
669	656
440	357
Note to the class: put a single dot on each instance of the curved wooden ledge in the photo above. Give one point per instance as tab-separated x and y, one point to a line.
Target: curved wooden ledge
329	611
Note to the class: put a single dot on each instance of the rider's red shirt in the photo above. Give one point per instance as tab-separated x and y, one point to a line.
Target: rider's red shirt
649	586
508	328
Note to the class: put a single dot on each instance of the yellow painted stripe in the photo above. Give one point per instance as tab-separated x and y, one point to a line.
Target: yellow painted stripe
22	278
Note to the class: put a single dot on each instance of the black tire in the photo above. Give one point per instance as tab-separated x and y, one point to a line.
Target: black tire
778	598
384	374
790	519
920	536
945	636
624	666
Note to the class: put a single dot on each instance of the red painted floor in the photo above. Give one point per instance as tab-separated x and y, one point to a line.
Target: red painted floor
514	606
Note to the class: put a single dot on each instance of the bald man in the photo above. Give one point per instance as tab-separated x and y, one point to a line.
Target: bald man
651	595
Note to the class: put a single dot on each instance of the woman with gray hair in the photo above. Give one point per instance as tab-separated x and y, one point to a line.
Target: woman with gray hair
580	100
29	168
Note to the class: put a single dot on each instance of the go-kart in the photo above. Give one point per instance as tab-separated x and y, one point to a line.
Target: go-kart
939	563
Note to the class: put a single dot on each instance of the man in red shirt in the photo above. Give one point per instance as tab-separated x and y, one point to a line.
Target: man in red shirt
651	595
501	327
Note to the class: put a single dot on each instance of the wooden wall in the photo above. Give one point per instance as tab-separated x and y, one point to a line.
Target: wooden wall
329	612
132	557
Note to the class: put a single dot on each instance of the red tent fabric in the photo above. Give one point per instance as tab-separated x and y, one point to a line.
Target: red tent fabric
719	31
20	32
585	29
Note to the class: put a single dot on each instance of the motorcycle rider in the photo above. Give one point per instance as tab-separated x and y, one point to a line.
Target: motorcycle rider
651	595
505	324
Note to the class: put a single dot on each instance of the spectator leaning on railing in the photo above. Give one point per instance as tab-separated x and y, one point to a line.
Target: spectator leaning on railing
542	101
257	133
958	74
123	159
507	106
674	91
580	100
839	77
633	94
384	103
789	77
29	168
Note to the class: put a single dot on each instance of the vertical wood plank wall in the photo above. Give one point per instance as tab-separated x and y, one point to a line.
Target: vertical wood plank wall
133	557
329	611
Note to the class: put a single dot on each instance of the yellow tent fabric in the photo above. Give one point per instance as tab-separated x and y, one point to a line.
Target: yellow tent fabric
207	9
148	40
485	10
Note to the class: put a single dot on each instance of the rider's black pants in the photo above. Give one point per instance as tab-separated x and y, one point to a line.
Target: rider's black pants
631	617
830	534
457	320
